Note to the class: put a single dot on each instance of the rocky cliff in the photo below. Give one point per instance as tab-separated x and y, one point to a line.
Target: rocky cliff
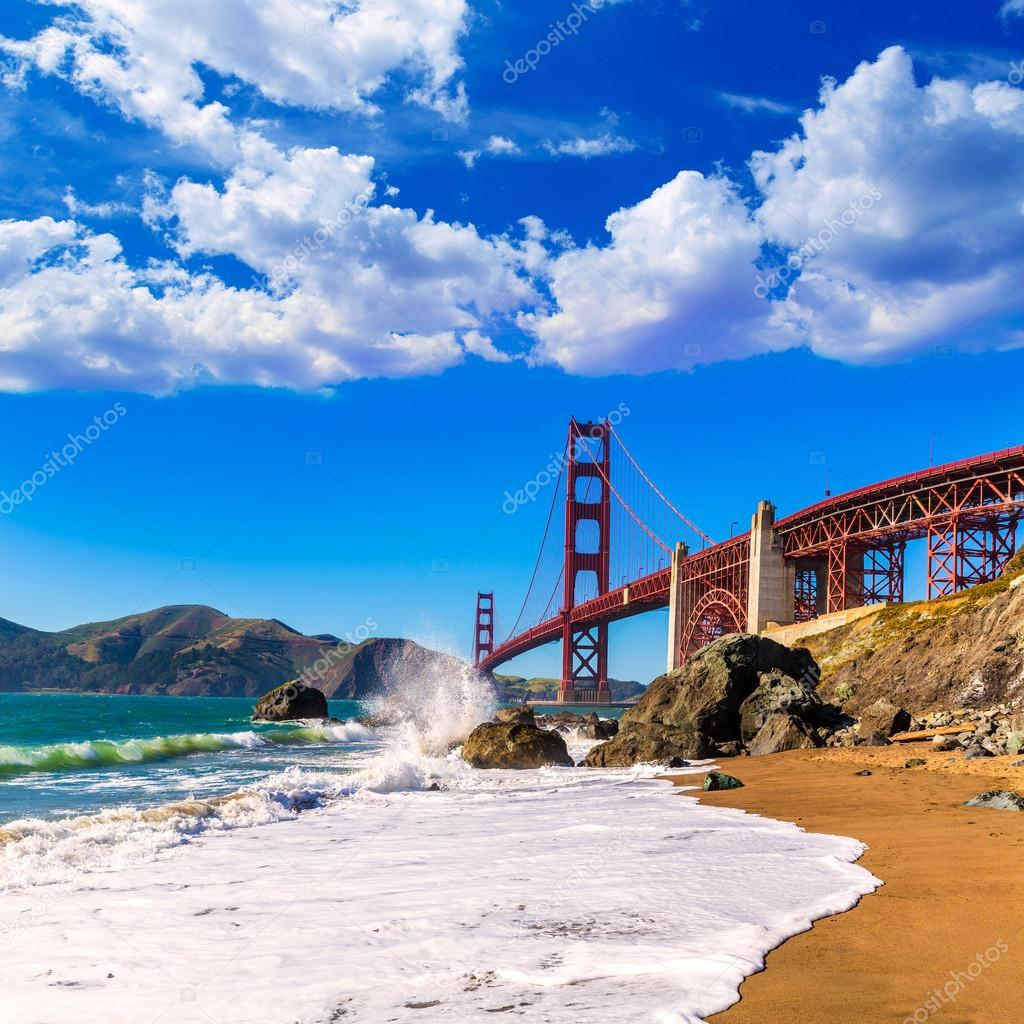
961	651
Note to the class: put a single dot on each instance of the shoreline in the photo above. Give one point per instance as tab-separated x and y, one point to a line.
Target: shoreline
953	888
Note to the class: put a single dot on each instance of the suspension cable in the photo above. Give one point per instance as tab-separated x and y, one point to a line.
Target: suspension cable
543	543
643	526
696	529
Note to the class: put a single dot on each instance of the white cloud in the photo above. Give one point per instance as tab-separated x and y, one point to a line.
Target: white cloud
605	144
498	145
469	157
347	285
672	288
142	58
939	257
480	345
76	207
936	259
348	289
1012	9
343	287
752	104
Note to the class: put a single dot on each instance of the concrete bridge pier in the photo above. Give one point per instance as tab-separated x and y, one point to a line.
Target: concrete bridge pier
676	611
772	576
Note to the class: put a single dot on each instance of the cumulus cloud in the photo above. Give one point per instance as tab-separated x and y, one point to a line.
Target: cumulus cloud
938	257
143	58
672	287
892	219
344	284
1012	9
76	314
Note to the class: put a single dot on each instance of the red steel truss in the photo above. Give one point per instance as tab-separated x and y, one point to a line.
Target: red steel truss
713	592
882	574
585	647
967	510
849	551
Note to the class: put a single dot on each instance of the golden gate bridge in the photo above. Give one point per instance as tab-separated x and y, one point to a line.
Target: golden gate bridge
625	549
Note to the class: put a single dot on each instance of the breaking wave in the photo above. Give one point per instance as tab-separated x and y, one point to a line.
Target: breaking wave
73	757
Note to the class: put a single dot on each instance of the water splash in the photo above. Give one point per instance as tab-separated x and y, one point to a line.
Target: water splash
432	705
428	710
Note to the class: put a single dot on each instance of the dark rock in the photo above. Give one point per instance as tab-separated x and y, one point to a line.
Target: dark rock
864	774
914	762
705	694
649	744
1017	764
514	745
605	729
678	762
731	749
291	701
998	800
976	750
522	715
694	712
782	732
589	727
778	694
714	781
885	718
875	739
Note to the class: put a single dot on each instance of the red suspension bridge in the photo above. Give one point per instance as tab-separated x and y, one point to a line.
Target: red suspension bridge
625	549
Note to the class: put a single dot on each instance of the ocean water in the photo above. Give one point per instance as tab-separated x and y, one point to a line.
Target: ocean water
66	754
285	874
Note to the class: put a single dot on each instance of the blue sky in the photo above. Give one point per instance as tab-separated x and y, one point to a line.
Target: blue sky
348	280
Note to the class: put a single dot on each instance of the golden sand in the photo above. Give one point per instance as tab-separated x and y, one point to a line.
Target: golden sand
953	893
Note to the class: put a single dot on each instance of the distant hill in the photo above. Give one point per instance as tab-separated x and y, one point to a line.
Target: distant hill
195	650
516	688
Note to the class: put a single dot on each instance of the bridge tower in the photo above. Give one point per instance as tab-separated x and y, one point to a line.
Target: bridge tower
587	560
483	634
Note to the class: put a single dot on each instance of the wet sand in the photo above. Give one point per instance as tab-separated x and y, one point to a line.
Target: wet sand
953	893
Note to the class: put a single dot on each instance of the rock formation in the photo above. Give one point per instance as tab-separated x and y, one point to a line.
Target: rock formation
291	701
738	689
514	745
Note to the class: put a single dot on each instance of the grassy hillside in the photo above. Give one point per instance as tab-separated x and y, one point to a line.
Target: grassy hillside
191	650
966	650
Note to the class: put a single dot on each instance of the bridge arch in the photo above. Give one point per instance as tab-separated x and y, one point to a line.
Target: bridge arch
717	613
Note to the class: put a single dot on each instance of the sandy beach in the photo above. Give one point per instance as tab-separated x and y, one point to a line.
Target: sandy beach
942	939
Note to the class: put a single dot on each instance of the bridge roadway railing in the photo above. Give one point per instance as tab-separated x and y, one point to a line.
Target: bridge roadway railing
713	583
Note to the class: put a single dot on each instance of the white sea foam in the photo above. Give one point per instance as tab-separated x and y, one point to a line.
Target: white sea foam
570	894
411	888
